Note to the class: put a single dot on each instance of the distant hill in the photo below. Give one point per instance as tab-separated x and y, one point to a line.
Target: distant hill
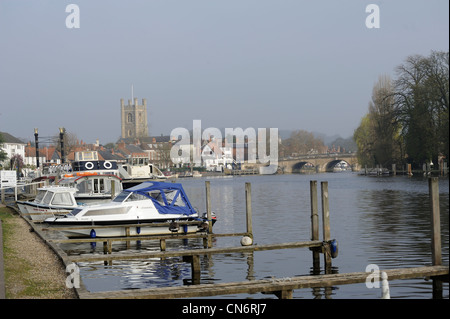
347	143
326	139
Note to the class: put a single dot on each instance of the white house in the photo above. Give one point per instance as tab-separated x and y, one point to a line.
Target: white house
216	157
181	153
12	146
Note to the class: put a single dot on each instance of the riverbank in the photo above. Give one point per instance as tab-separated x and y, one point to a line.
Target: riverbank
31	269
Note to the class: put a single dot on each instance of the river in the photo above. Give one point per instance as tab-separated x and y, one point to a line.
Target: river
383	221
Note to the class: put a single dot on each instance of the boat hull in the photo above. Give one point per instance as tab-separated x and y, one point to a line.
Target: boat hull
121	232
108	229
40	213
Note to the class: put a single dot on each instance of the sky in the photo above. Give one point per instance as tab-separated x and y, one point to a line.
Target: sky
286	64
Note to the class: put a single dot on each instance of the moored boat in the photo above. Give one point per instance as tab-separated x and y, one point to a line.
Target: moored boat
94	188
50	201
154	203
137	170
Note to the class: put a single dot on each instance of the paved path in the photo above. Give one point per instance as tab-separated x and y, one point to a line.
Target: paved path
2	273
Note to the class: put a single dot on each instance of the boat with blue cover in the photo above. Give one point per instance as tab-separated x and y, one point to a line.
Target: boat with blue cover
155	203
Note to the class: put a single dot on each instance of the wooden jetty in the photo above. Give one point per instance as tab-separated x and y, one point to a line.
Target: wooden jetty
249	171
281	287
427	170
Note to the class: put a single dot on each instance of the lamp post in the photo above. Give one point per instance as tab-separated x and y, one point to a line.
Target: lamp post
37	147
61	139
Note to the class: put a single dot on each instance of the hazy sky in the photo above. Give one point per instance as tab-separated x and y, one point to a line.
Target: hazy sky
288	64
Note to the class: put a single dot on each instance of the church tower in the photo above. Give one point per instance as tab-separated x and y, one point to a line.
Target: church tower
134	119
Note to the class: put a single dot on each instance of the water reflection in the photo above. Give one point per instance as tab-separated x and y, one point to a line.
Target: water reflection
397	225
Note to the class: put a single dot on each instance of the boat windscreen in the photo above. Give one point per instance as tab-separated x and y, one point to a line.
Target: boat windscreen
136	196
75	211
62	199
40	195
46	200
129	197
121	197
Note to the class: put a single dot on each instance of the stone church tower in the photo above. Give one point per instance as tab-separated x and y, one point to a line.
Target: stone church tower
134	119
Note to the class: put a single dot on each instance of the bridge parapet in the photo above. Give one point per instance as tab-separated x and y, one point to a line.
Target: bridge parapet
321	162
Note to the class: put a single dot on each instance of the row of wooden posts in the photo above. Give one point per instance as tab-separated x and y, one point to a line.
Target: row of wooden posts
282	289
193	256
427	169
208	235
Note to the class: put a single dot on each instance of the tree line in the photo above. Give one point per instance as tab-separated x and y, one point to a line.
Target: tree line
407	119
2	153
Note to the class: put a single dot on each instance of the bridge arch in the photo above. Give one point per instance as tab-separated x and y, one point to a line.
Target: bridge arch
332	165
303	167
320	162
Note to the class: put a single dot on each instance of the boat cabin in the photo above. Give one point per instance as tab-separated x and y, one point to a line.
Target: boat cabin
94	187
55	196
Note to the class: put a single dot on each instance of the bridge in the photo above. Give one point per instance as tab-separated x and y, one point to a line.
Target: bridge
318	163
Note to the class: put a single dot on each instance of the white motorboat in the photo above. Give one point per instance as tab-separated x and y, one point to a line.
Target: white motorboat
88	162
155	203
137	170
50	201
94	188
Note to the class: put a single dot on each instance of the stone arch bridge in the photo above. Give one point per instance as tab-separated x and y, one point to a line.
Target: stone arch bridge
318	162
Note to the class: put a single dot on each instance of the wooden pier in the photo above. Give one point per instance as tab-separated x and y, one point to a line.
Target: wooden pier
282	287
249	171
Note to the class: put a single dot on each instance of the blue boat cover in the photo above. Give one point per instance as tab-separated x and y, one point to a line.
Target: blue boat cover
169	198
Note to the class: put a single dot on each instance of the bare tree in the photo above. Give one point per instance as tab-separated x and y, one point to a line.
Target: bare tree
302	142
386	130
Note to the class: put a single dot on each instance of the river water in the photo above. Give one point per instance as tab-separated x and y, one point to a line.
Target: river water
383	221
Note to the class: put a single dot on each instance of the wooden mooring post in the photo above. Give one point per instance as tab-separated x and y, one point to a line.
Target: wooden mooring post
248	209
325	248
436	247
207	241
314	226
326	226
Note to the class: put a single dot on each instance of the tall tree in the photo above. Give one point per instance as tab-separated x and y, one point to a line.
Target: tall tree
421	99
378	137
437	82
410	116
386	145
364	138
3	155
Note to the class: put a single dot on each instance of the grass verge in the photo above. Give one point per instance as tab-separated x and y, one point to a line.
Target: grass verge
31	269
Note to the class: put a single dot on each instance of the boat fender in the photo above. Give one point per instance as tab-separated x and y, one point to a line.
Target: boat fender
138	229
333	248
185	228
246	241
174	227
93	234
204	226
